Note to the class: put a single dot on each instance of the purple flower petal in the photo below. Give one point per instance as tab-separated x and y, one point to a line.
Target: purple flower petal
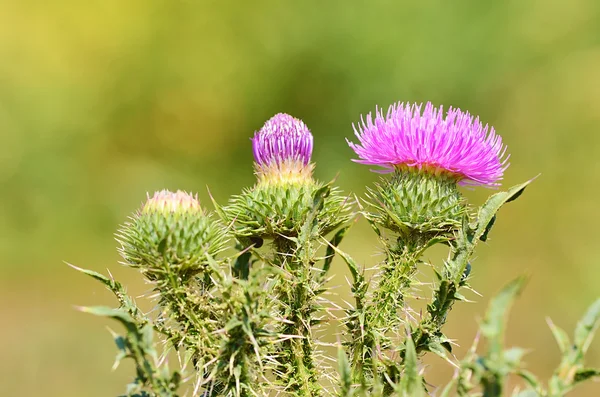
282	138
458	143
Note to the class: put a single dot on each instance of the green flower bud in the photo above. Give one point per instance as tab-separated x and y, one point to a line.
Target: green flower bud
172	231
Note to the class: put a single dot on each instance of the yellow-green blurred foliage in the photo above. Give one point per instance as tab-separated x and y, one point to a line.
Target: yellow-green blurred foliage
103	101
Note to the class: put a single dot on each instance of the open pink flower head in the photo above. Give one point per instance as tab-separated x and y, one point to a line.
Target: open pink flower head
458	143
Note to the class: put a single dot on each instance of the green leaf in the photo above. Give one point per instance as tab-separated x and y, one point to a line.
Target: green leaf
562	339
433	241
488	227
116	314
345	373
587	326
117	289
122	350
513	356
329	254
585	374
487	212
100	277
441	349
241	266
530	379
492	326
410	384
352	266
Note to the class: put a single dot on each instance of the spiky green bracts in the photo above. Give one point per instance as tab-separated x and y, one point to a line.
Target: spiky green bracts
417	204
171	230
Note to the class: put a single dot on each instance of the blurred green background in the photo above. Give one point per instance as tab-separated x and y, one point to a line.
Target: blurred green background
101	102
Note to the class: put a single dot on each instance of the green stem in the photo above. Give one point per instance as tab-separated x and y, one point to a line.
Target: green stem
196	322
298	298
395	281
452	279
383	314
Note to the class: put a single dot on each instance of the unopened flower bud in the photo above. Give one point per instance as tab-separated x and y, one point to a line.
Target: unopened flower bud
171	231
279	203
282	150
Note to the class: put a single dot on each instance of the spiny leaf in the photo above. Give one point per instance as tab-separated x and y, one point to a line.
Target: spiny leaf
513	356
492	326
100	277
530	379
241	266
584	332
441	349
329	254
352	266
410	384
562	339
487	212
585	374
488	227
117	314
345	373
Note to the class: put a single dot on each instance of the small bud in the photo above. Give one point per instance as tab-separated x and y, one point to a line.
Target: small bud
279	203
282	150
171	231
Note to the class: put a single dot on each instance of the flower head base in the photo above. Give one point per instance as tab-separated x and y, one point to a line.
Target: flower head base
171	232
282	150
417	205
458	144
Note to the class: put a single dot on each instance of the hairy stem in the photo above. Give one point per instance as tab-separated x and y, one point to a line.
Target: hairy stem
382	315
297	295
452	278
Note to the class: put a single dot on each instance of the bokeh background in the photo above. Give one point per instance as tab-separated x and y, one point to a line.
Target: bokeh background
101	102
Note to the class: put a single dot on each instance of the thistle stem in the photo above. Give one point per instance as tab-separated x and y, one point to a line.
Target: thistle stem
452	278
297	296
382	313
395	281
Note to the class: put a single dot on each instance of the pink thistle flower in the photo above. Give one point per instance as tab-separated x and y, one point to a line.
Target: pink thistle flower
457	144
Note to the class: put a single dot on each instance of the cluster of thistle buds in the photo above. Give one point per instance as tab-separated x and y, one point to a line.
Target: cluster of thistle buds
242	293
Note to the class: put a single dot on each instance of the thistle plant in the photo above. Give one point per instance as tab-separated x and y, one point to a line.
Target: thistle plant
420	205
241	293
